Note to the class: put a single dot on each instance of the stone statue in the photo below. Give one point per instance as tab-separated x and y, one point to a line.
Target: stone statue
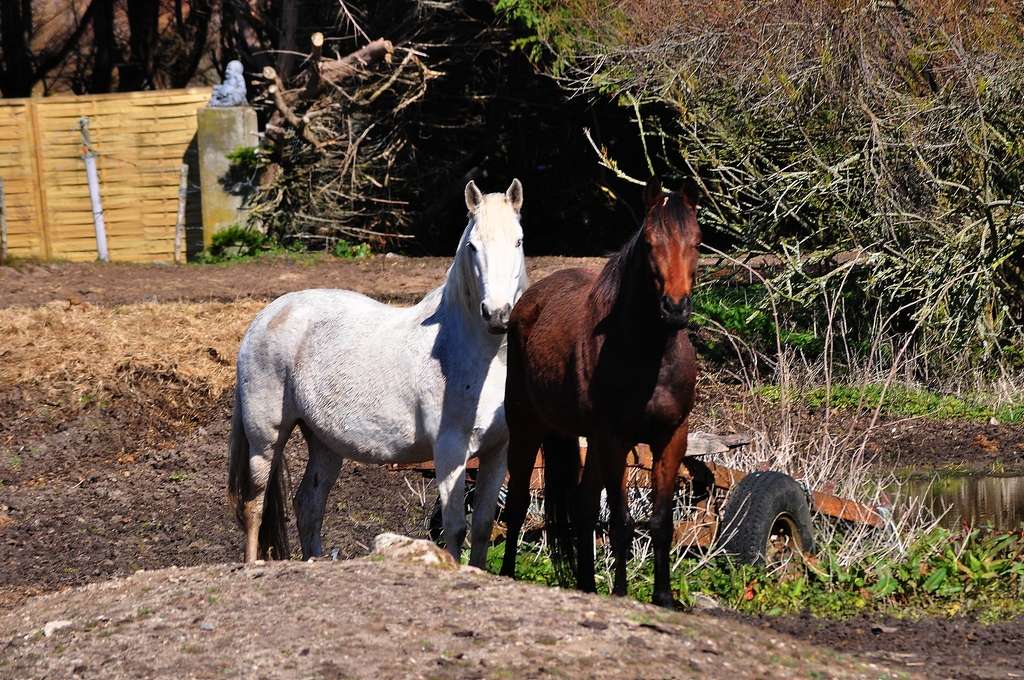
232	91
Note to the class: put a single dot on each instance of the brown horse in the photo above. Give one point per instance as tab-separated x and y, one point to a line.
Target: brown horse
605	355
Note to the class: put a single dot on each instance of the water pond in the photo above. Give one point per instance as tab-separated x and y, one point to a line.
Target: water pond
991	500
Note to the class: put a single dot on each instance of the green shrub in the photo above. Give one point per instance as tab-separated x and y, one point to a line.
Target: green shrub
351	251
246	159
902	401
235	242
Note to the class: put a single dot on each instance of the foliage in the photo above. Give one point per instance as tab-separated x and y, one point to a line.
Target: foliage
743	312
234	242
877	143
944	573
247	159
351	251
902	401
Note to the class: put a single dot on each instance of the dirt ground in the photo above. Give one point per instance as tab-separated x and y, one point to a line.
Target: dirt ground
383	618
386	277
115	387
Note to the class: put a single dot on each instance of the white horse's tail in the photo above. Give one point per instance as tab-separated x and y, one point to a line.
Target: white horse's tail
238	465
273	536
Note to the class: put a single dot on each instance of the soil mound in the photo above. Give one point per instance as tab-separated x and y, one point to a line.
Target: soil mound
385	616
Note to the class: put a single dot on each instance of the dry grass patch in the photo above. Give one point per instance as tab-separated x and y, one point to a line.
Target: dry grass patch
178	357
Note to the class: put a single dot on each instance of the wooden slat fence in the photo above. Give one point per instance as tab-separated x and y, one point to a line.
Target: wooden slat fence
141	140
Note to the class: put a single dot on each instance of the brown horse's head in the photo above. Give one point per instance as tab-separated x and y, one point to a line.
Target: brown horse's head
672	236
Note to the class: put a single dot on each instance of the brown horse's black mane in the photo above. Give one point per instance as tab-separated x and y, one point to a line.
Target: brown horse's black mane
616	281
610	282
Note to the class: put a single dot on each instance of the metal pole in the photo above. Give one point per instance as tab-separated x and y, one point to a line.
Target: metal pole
3	225
179	226
94	191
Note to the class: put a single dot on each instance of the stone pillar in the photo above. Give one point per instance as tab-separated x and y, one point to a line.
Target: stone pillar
221	130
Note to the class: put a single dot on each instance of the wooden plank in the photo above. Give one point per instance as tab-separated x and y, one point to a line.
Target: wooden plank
39	180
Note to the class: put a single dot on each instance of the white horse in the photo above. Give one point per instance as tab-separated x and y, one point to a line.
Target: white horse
382	384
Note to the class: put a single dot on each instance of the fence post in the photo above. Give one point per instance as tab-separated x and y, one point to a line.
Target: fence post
179	226
3	225
94	191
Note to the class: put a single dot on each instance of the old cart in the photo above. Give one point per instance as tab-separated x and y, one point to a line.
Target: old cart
754	516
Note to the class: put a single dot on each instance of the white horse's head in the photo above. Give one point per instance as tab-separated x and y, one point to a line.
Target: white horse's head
491	252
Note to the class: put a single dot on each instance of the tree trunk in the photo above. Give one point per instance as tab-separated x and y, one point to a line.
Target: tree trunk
195	32
287	38
106	47
16	75
137	74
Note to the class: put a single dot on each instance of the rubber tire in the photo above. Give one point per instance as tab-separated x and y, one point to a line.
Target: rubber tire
753	506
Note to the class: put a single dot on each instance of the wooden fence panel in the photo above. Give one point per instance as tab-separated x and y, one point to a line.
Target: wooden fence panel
26	236
141	140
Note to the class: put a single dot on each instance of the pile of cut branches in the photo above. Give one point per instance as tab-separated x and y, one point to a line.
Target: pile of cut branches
373	140
337	144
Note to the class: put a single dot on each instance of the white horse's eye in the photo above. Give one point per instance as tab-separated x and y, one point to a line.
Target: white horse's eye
471	246
519	243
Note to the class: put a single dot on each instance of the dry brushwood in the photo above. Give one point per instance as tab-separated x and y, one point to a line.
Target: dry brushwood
333	105
892	129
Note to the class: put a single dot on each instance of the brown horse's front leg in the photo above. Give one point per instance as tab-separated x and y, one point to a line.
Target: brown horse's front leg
667	458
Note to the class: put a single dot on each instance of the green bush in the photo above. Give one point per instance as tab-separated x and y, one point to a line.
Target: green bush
237	241
246	159
351	251
902	401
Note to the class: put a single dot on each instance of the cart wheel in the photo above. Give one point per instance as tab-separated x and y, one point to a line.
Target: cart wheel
766	519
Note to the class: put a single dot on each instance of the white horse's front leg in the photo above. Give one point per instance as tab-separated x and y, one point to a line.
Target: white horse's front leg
489	479
450	465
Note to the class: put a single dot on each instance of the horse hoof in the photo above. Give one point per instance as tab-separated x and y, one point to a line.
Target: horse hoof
666	600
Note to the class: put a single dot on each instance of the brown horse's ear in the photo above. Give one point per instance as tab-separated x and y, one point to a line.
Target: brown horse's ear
690	191
514	195
473	196
652	192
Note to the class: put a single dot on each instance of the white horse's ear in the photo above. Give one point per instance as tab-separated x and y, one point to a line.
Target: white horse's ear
473	196
514	194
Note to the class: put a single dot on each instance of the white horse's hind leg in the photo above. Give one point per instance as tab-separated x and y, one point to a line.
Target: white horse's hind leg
450	466
311	497
488	483
260	461
266	444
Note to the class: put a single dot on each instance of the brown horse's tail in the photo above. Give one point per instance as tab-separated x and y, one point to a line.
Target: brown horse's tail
273	537
561	475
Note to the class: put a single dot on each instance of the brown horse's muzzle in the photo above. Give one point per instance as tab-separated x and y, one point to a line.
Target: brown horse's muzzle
676	313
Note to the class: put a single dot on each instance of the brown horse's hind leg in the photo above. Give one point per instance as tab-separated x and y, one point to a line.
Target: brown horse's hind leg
621	519
667	458
586	505
522	456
